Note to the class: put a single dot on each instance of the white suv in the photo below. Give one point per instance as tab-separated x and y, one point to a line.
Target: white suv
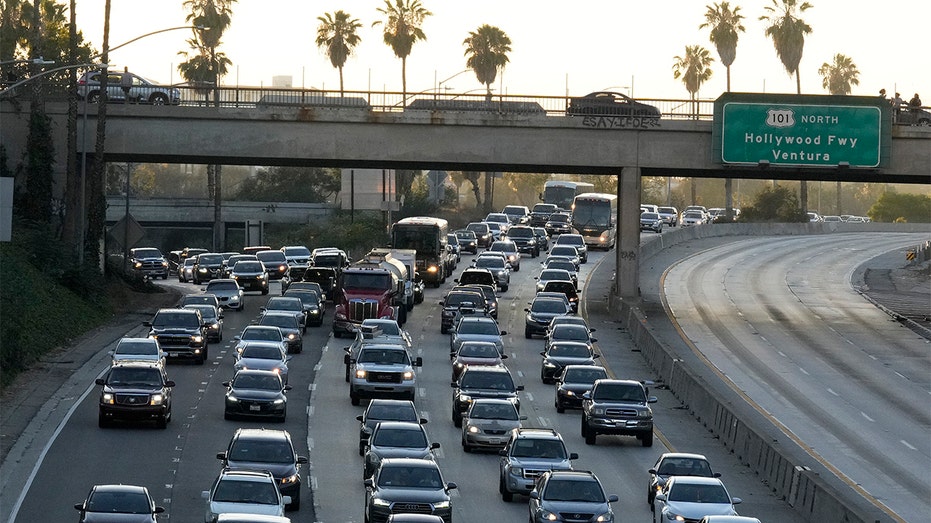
244	492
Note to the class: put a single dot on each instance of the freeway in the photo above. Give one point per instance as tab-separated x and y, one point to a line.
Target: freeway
779	321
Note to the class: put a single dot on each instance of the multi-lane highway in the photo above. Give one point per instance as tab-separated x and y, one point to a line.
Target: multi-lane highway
176	464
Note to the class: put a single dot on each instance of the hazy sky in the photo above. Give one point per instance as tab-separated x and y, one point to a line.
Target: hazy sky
558	48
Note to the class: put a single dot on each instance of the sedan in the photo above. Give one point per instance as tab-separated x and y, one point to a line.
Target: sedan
540	313
561	354
676	464
572	382
384	409
244	492
213	320
566	251
251	275
543	238
256	393
262	334
123	503
289	326
498	267
687	498
263	356
578	493
228	291
288	304
403	485
313	304
651	221
488	423
569	333
468	242
610	103
475	353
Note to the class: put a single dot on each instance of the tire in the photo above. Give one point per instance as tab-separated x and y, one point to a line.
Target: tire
354	399
457	419
444	330
158	99
583	428
337	334
517	268
203	358
361	450
559	408
102	421
295	502
347	373
466	448
504	288
527	333
647	440
542	376
506	496
227	415
589	437
264	292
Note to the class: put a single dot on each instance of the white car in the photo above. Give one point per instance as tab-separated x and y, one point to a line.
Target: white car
227	291
138	349
244	492
692	218
690	498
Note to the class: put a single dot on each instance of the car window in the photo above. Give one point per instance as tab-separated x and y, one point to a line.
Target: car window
538	448
583	375
261	352
279	320
487	380
261	450
402	438
570	351
259	492
248	266
256	382
573	490
619	392
285	305
260	335
478	327
119	503
211	259
570	332
501	411
136	347
175	319
222	286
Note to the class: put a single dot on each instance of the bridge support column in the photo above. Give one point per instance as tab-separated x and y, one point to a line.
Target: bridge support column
627	251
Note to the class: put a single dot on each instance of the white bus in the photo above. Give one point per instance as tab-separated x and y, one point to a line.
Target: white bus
594	216
561	193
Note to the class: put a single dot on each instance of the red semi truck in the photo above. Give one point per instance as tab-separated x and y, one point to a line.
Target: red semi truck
367	291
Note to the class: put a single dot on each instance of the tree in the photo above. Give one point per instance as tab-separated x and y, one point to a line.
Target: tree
838	77
777	204
487	48
336	35
894	207
725	24
290	184
402	30
694	69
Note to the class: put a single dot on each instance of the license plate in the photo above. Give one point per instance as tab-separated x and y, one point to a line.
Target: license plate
255	407
494	441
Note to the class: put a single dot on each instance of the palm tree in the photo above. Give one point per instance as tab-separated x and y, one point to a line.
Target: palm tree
487	49
725	24
694	69
402	30
788	33
839	77
336	35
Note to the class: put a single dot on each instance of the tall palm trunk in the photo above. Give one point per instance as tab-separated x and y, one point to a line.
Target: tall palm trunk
72	186
96	201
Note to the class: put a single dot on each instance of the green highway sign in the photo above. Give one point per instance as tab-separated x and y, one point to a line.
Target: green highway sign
801	131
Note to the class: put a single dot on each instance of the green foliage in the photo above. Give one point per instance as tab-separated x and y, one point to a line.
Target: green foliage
776	204
355	235
34	202
894	207
487	48
290	184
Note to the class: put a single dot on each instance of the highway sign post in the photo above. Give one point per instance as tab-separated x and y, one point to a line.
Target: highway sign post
801	130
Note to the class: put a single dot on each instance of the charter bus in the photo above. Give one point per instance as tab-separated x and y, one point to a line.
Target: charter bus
561	193
594	215
427	236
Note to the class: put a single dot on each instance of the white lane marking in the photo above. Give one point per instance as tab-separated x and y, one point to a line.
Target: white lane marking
867	417
907	444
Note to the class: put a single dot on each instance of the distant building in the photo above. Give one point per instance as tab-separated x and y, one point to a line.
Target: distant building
282	81
367	189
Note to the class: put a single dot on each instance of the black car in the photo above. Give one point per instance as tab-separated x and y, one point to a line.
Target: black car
180	333
491	297
325	277
454	302
276	263
250	275
541	212
559	223
610	103
314	306
573	381
256	393
482	382
148	261
566	287
543	238
137	391
208	266
124	503
540	313
525	239
405	485
384	409
271	450
468	242
483	233
563	353
396	439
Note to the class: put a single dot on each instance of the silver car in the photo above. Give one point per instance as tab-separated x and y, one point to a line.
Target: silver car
138	349
498	267
228	291
141	90
488	423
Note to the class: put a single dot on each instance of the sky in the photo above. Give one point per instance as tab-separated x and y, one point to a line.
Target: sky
558	48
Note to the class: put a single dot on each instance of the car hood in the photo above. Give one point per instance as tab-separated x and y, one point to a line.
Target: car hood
492	424
578	388
383	367
174	330
561	360
477	361
135	389
488	393
574	507
493	338
106	517
544	464
279	470
225	294
698	510
257	394
412	494
222	507
261	363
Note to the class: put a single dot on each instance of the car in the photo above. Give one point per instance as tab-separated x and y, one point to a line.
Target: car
475	353
266	334
479	276
554	275
566	251
227	291
332	257
149	262
575	240
243	492
540	313
498	267
670	215
231	262
559	223
541	213
135	391
306	285
509	249
124	503
213	320
368	335
468	241
609	103
619	407
914	116
250	275
458	303
577	492
276	263
566	264
313	304
564	332
325	278
186	270
487	423
289	326
524	239
651	221
527	455
180	333
141	90
199	299
476	328
729	519
488	291
571	319
255	393
562	353
573	382
566	287
543	238
207	266
262	356
453	241
382	371
267	450
137	349
518	214
396	439
814	217
384	409
402	485
690	498
298	258
832	218
676	464
499	222
690	218
483	233
288	304
482	382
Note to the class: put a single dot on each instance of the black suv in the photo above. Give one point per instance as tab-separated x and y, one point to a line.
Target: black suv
460	302
135	390
407	486
541	214
618	407
577	492
482	382
208	266
382	409
528	454
149	261
396	439
180	333
525	239
271	450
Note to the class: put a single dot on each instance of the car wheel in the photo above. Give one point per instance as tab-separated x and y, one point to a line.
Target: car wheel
337	334
466	447
517	268
527	333
559	407
444	330
361	449
507	496
93	97
589	437
584	428
162	422
504	288
295	501
354	399
227	415
347	373
647	440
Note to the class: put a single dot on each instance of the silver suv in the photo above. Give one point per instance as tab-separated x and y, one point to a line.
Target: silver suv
141	90
528	454
380	371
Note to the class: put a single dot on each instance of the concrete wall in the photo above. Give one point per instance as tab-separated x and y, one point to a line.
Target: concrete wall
201	211
781	464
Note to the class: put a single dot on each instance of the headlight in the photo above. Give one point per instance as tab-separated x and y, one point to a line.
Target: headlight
409	375
432	269
599	411
517	471
261	276
197	338
674	517
360	374
607	516
164	264
645	414
289	479
137	265
278	402
465	398
569	393
107	398
378	502
157	399
549	364
441	504
291	337
232	399
474	430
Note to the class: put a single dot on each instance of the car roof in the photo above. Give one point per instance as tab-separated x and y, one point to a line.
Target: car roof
686	455
246	474
401	425
114	487
574	475
537	432
262	433
410	462
696	480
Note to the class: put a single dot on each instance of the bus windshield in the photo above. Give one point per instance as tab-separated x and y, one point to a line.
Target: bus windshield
592	213
423	239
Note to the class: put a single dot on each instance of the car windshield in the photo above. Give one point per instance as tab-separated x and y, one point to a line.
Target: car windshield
119	503
389	328
123	376
570	239
569	490
367	280
210	259
564	250
384	356
478	350
479	228
176	319
226	286
390	413
544	208
257	381
675	466
283	321
251	492
565	265
271	256
565	287
248	266
649	216
698	493
508	247
489	262
261	334
297	252
469	277
520	232
551	306
539	448
584	375
410	477
261	352
570	332
402	438
497	218
328	260
619	392
207	312
137	347
285	304
478	327
487	380
262	450
306	297
465	235
559	218
565	350
501	411
318	274
147	253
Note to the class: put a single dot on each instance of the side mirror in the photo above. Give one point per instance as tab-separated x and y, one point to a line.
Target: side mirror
359	417
302	460
573	455
520	387
418	362
423	420
434	445
169	383
100	381
594	340
612	498
451	485
205	494
504	333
